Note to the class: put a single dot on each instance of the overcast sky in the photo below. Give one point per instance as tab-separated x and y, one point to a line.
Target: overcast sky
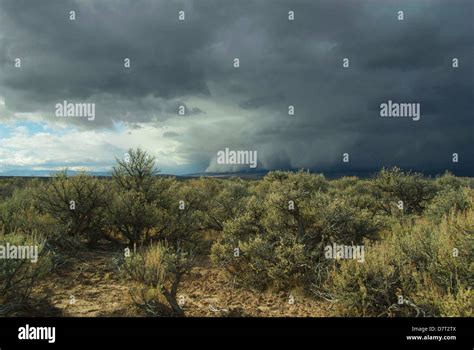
282	63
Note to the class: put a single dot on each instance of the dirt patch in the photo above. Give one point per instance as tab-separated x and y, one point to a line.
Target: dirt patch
208	292
90	286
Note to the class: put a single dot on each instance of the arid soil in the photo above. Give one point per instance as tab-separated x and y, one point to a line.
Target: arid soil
89	285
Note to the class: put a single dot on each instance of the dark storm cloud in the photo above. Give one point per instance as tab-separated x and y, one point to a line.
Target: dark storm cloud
83	59
282	63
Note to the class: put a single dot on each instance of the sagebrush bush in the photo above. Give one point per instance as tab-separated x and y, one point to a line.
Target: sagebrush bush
420	270
394	185
77	203
10	185
132	216
136	172
278	242
18	277
449	181
133	212
180	216
21	212
158	269
147	208
222	200
447	200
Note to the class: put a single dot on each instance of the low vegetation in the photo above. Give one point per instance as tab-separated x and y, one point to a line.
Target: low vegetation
273	235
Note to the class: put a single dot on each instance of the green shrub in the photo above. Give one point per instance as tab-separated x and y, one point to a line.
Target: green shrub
181	221
447	200
428	265
159	270
394	185
344	183
222	200
132	216
358	194
449	181
19	276
21	212
136	172
148	208
280	238
77	203
10	185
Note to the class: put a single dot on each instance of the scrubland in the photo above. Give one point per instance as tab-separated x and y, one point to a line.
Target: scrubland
141	244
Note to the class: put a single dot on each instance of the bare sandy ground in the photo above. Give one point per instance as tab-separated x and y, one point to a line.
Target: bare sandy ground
90	286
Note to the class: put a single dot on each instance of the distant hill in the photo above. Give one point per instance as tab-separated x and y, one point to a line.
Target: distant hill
258	174
47	173
249	175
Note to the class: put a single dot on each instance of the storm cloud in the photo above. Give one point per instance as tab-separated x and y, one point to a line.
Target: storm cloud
190	64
